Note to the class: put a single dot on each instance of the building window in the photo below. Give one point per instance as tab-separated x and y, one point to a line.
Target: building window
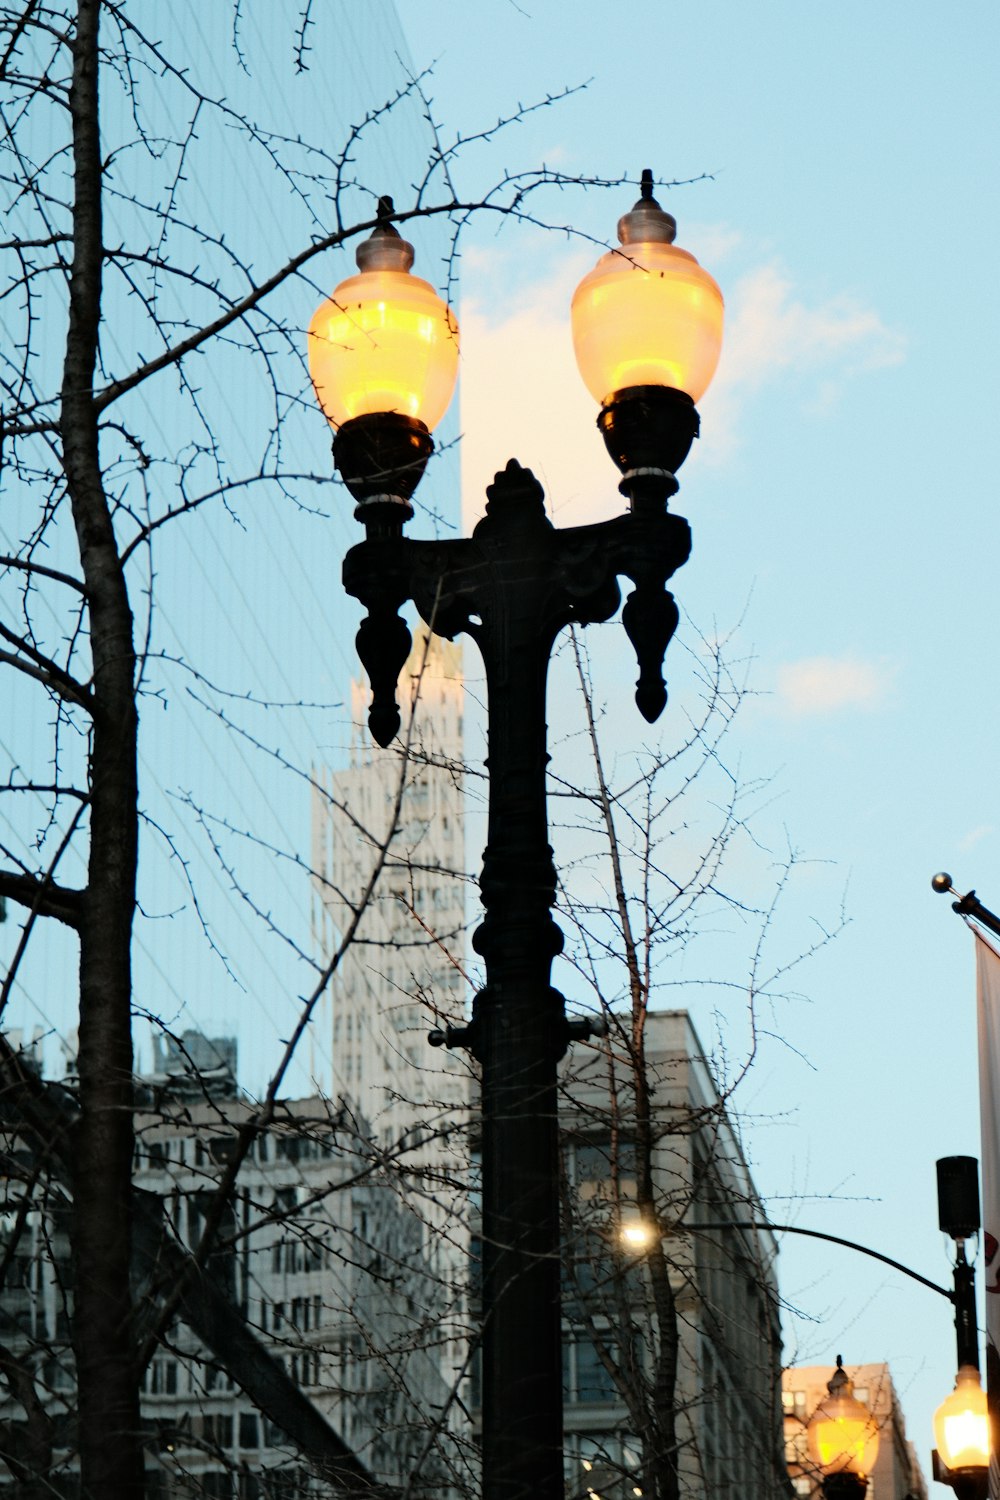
588	1166
794	1404
216	1485
586	1380
602	1463
161	1377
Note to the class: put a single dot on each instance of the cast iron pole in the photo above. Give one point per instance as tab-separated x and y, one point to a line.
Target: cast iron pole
512	586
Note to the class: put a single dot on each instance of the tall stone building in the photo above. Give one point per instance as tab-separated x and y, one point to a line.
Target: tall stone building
645	1291
323	1258
403	970
316	1286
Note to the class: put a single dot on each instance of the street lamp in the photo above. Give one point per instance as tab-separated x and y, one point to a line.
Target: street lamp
647	334
962	1434
961	1423
513	586
842	1439
383	356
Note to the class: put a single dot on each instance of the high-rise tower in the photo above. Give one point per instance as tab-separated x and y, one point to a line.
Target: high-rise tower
403	970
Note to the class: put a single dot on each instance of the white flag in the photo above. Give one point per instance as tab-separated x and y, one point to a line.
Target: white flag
988	1012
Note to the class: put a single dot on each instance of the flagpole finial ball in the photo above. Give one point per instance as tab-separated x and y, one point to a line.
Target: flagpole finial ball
941	883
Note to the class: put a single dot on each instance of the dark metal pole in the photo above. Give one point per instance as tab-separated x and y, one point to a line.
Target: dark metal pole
966	1327
968	905
959	1218
512	587
818	1234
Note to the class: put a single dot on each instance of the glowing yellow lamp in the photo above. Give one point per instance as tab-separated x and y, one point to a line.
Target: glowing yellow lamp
961	1424
636	1234
384	341
842	1436
647	314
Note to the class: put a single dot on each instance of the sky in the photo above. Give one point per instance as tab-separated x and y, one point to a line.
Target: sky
843	504
841	189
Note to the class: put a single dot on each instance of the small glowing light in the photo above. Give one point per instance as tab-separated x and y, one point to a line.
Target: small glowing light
636	1491
961	1423
587	1465
636	1235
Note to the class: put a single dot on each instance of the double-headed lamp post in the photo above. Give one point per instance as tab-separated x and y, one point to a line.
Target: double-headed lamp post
647	325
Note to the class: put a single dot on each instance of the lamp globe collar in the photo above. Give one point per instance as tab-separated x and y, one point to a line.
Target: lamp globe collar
647	223
384	249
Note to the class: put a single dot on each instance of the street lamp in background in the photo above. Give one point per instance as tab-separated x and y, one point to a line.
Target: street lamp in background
961	1423
647	327
961	1430
842	1440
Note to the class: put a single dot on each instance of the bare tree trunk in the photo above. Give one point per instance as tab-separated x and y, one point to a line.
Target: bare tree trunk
109	1438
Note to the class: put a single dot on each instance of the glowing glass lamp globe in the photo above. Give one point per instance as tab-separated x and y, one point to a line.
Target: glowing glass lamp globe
647	314
647	333
383	356
961	1424
841	1434
384	341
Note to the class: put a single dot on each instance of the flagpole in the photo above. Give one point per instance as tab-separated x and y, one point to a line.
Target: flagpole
968	905
988	1025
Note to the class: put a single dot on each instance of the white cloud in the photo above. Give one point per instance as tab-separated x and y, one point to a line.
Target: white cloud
975	836
827	684
522	395
712	244
771	332
771	329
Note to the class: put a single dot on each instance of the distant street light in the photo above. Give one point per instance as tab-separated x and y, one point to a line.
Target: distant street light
962	1434
961	1423
842	1439
647	326
637	1234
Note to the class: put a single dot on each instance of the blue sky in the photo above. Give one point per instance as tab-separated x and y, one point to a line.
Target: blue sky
843	502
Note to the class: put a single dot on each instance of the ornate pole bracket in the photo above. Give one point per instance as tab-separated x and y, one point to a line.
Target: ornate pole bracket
517	566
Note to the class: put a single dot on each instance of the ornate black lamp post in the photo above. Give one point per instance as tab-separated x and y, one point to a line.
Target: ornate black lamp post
647	327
